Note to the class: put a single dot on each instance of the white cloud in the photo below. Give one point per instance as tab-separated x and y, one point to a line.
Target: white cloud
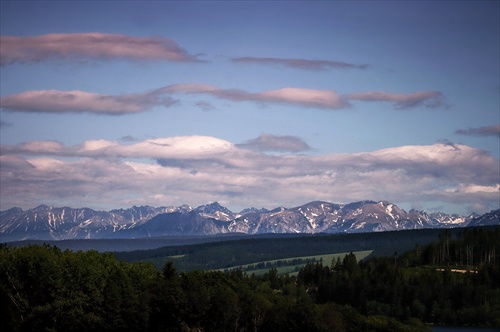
198	169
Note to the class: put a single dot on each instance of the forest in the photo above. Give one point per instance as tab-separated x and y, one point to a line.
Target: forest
453	281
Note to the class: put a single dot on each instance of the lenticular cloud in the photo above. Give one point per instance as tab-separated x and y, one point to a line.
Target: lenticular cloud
315	98
79	46
305	64
53	101
429	99
328	99
481	131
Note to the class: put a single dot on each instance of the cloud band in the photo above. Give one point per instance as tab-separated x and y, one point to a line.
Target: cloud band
198	169
100	46
53	101
299	63
481	131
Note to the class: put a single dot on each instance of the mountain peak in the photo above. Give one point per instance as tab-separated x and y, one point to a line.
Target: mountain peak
357	205
253	210
214	206
42	207
216	211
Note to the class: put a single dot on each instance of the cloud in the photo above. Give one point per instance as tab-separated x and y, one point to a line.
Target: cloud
128	138
481	131
35	148
4	124
429	99
205	106
54	101
78	46
300	63
269	142
306	97
328	99
200	169
196	147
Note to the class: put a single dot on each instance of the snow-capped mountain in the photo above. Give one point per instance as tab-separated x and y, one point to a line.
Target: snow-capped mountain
487	219
215	211
51	223
363	216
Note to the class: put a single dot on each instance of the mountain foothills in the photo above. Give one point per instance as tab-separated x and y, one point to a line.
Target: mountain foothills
61	223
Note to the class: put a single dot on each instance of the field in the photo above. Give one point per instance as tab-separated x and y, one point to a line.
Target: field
287	266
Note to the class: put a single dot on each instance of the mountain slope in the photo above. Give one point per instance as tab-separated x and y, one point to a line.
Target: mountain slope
487	219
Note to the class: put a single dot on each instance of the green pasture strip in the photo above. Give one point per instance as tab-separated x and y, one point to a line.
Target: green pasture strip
176	256
291	269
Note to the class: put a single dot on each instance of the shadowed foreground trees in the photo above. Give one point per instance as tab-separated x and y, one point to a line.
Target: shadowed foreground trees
45	289
432	283
42	287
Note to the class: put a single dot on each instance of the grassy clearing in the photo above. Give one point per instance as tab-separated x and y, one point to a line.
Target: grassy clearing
176	256
293	269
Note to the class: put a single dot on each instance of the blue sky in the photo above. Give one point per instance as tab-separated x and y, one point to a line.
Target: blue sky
121	103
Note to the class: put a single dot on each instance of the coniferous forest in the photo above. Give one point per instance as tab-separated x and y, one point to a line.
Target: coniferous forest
454	281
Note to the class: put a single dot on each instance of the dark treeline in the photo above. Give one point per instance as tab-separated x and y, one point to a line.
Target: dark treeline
43	288
470	247
449	282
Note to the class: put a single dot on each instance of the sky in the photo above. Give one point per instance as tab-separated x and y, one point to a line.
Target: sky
112	104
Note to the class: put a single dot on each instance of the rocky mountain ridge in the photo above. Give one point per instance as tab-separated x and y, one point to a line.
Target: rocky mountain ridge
53	223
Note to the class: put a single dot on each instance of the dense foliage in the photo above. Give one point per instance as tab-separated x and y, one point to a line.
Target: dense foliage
450	282
45	289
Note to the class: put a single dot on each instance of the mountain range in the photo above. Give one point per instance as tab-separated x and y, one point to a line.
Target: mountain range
62	223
